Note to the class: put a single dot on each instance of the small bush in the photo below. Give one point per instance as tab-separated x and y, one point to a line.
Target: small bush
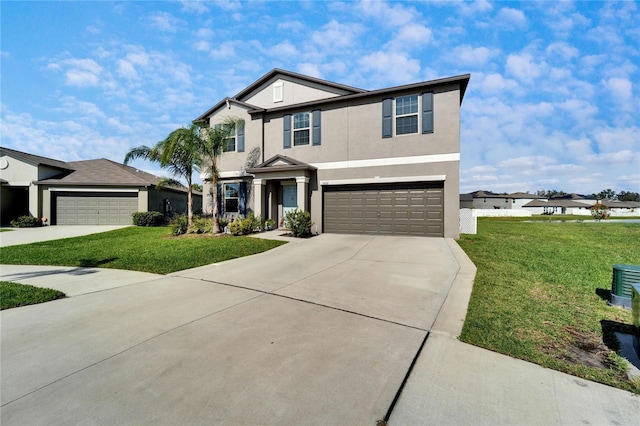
222	223
299	223
269	224
179	225
201	225
148	219
246	226
26	222
599	211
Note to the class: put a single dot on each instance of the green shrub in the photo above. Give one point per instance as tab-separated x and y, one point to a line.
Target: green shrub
246	226
269	224
148	219
299	223
201	225
26	222
222	223
179	225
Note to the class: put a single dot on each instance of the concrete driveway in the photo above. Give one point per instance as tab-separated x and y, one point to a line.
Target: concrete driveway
318	331
18	236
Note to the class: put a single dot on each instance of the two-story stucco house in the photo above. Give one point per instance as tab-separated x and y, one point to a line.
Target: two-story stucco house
381	161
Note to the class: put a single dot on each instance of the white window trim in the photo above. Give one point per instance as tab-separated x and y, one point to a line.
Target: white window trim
396	115
225	198
308	128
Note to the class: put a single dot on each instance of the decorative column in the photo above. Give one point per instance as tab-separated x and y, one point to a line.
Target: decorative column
302	183
258	196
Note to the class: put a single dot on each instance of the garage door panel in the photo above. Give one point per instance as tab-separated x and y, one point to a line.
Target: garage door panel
95	209
398	209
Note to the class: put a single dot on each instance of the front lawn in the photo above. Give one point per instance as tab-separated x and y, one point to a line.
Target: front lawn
13	295
541	292
137	249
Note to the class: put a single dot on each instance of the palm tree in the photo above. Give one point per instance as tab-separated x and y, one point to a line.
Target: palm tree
180	153
212	145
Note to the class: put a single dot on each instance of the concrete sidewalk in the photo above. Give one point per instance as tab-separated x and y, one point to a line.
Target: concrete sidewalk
318	331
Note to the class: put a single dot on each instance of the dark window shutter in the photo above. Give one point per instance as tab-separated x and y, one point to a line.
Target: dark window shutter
427	112
240	141
220	200
387	110
242	199
316	127
286	134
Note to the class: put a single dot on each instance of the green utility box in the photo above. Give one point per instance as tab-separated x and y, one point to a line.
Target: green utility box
623	277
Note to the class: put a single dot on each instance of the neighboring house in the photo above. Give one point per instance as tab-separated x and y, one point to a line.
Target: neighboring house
91	192
491	200
558	206
382	161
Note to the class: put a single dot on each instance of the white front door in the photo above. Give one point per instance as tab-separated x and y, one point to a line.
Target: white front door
289	199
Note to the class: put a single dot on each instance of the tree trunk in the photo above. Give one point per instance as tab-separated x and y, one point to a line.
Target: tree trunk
215	225
190	206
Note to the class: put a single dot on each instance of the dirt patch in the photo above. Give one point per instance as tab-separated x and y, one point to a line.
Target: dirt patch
585	348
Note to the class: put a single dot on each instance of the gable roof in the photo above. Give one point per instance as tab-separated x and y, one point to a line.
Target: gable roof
103	172
353	92
35	160
280	163
220	104
463	80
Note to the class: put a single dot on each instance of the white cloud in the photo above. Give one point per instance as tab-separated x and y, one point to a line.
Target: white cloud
562	50
412	36
335	35
395	15
619	157
472	56
524	67
378	64
474	7
511	18
164	21
620	88
78	72
496	84
195	6
309	69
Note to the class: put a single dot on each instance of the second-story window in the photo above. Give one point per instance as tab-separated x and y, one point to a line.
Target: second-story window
407	115
229	143
301	129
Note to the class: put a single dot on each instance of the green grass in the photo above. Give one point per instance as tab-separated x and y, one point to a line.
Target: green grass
13	295
137	249
540	294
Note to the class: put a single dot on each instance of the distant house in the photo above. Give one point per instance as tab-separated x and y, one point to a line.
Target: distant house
492	200
562	204
382	161
91	192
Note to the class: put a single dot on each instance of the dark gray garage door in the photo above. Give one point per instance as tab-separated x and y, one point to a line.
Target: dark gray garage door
394	209
95	209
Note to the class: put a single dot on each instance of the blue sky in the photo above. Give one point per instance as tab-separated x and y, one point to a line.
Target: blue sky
553	101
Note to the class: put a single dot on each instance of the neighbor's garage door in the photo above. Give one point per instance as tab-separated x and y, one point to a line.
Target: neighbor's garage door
95	209
394	209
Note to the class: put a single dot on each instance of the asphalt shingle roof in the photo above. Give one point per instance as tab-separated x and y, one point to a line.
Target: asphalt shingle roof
103	172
